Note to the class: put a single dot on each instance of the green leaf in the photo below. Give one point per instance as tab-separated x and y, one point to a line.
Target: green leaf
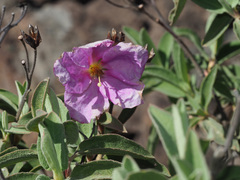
14	157
165	75
39	95
20	90
207	88
195	156
42	177
51	102
18	130
152	140
71	131
48	149
8	101
57	132
8	150
233	3
126	114
119	146
227	7
176	11
64	113
213	5
41	157
86	129
169	90
110	122
132	34
32	124
4	121
163	123
147	174
165	47
217	28
128	166
180	127
193	37
146	40
215	131
23	176
229	173
180	63
228	51
17	168
94	170
236	27
25	118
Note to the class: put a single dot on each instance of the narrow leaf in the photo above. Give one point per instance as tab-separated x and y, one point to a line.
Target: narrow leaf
9	101
94	170
51	102
180	63
176	11
217	28
146	40
207	87
132	34
17	156
213	5
57	132
165	75
165	47
41	157
119	146
236	27
228	51
108	121
39	96
20	90
71	131
32	124
163	123
195	156
23	176
126	114
48	149
147	174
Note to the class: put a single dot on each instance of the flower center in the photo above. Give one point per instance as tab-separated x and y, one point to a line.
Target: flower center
96	70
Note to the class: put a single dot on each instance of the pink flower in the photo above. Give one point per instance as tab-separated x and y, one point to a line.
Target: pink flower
100	72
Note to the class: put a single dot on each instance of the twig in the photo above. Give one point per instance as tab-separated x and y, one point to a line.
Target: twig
29	81
177	38
11	24
26	51
221	152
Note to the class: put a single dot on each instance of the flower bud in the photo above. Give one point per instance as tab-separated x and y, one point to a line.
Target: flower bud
116	37
34	38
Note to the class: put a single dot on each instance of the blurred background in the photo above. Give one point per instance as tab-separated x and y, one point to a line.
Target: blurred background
64	24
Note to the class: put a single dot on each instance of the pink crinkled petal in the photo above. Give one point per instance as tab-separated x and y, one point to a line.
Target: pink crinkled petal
76	79
91	52
123	94
88	105
125	61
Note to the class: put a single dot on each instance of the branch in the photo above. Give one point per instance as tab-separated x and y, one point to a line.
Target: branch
11	24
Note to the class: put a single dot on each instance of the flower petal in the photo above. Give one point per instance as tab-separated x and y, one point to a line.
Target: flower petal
88	105
121	93
125	61
76	79
91	52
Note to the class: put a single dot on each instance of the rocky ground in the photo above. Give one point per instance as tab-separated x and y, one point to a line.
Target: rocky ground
67	23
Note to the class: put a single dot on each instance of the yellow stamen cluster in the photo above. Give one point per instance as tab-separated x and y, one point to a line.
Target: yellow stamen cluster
96	71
